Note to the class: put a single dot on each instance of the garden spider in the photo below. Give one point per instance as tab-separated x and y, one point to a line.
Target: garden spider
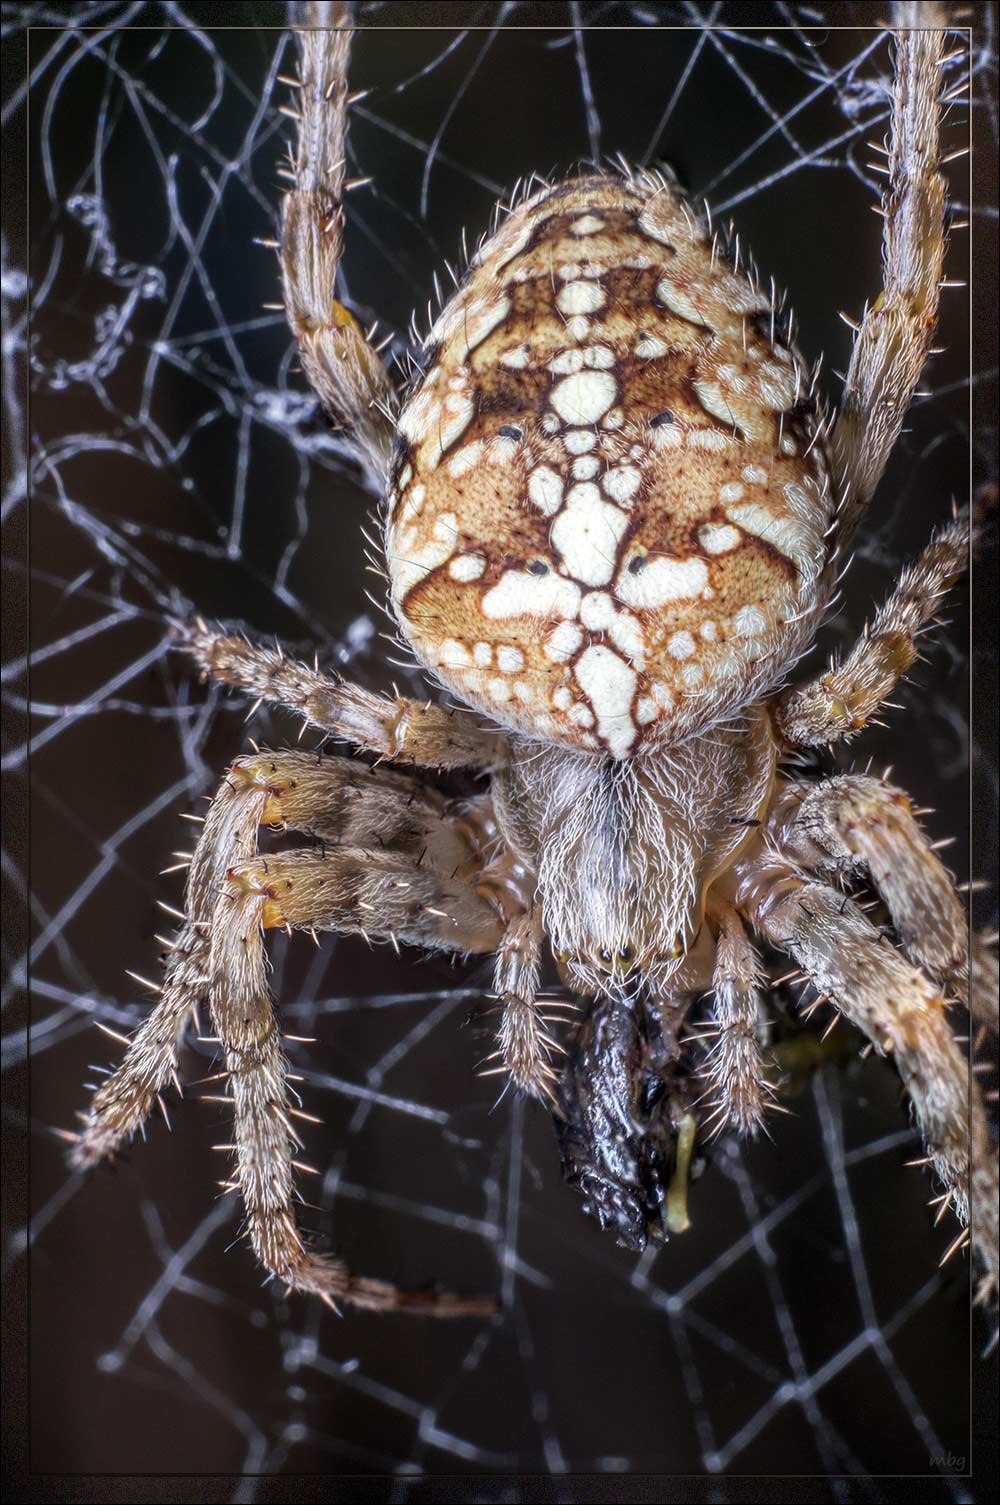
616	514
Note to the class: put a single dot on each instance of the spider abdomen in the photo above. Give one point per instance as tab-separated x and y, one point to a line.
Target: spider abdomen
607	513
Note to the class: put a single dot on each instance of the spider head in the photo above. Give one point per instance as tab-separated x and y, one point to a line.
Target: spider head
618	967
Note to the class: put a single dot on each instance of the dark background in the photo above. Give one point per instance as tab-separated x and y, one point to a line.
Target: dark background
802	1326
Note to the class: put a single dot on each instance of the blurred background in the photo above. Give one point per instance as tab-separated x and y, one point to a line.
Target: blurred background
803	1326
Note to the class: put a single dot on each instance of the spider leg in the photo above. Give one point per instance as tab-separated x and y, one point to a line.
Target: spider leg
334	799
524	1044
343	368
351	804
738	1089
894	338
900	1011
398	728
120	1107
984	981
233	894
122	1104
852	823
840	702
244	1019
417	888
376	894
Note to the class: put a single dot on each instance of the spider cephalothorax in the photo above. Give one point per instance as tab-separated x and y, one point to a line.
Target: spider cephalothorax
614	513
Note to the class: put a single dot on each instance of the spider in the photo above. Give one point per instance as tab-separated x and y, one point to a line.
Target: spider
615	515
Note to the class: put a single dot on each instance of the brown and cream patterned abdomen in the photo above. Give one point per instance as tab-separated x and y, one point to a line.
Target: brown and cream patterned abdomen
606	522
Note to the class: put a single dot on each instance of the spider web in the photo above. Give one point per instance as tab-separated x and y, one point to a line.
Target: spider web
803	1326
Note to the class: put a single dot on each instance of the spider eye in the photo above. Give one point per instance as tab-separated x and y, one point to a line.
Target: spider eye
626	954
662	419
637	564
538	567
508	431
